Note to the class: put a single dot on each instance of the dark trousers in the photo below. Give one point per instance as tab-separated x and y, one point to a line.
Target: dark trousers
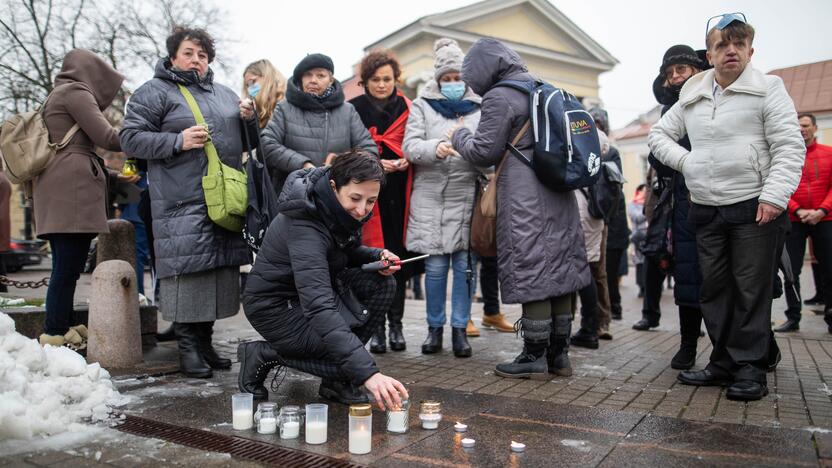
613	263
821	235
653	281
738	262
489	286
69	254
589	308
301	347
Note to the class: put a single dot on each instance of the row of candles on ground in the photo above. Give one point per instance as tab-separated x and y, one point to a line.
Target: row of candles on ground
288	421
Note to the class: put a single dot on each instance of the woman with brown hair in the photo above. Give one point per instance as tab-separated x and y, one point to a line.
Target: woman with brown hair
266	86
384	111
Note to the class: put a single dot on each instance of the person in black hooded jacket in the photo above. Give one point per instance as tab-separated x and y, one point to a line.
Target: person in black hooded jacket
680	62
307	295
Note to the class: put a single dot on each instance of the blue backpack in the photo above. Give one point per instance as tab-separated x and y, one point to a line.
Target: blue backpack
567	153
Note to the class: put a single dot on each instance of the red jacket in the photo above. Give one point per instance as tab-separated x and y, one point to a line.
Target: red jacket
815	188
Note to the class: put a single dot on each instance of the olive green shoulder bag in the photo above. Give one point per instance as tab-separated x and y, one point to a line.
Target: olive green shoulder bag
226	191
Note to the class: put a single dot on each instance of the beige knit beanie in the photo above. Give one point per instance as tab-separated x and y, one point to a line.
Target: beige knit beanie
447	57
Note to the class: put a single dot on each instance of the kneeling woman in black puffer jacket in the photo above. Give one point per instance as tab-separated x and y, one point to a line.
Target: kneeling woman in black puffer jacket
307	295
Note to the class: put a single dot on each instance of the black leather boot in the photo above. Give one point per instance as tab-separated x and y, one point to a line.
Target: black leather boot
167	335
558	353
206	347
378	343
433	343
397	342
690	321
531	362
342	392
256	359
191	362
459	339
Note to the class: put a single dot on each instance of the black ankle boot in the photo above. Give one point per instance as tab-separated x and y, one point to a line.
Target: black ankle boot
191	362
206	347
690	321
256	358
459	339
342	392
167	335
397	342
585	339
433	343
558	353
378	343
531	362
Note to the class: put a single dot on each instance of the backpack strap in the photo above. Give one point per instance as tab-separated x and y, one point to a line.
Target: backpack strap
523	86
67	136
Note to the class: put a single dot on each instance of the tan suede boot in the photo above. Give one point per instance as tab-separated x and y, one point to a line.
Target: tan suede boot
471	330
54	340
497	321
74	340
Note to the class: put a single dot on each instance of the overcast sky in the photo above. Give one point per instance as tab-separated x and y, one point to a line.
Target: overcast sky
636	32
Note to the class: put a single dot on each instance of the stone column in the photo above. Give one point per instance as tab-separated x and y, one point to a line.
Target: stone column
114	323
118	244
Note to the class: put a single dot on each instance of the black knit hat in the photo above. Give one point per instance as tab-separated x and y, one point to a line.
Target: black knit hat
676	55
312	61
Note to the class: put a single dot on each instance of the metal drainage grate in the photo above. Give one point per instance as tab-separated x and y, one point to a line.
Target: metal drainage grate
237	447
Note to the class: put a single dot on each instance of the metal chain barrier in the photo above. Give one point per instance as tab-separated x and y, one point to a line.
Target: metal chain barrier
5	280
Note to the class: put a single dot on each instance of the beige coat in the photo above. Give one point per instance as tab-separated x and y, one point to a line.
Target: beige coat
70	195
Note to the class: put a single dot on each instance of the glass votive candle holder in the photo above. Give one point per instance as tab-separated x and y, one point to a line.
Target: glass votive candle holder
266	418
430	413
316	423
290	422
242	411
398	418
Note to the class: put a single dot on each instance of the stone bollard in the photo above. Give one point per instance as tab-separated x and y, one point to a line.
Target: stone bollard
118	244
115	338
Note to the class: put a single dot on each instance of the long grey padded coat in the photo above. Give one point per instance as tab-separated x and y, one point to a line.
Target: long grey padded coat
443	189
185	239
540	245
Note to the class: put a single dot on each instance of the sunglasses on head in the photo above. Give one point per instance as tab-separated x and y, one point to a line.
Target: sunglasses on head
722	21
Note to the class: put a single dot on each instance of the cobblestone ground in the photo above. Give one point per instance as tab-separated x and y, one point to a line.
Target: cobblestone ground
630	374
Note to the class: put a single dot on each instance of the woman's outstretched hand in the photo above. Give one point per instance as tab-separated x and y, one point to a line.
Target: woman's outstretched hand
387	391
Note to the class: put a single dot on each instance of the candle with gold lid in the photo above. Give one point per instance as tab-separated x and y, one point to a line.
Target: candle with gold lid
430	412
361	429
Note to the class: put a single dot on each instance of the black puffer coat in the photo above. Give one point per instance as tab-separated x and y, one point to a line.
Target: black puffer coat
686	271
618	232
185	239
293	281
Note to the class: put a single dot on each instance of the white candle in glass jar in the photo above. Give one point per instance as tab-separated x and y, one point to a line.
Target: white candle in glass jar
397	421
361	441
315	432
267	426
242	420
290	430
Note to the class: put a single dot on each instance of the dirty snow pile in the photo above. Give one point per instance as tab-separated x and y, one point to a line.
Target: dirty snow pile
46	390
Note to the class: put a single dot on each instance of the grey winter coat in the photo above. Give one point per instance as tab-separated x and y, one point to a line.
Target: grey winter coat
306	129
185	239
540	245
443	189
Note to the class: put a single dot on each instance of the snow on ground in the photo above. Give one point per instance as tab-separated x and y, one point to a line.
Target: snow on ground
47	390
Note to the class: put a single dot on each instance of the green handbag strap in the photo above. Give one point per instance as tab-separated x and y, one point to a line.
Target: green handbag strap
214	165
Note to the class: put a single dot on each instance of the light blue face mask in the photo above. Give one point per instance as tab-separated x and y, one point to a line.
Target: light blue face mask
253	90
453	90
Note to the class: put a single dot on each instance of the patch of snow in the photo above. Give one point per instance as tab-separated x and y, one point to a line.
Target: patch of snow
818	429
825	389
47	390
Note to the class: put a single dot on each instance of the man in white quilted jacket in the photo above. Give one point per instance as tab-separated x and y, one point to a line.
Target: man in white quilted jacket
745	161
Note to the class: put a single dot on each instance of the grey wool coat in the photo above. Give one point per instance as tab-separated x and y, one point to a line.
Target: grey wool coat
185	239
306	129
443	192
540	245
